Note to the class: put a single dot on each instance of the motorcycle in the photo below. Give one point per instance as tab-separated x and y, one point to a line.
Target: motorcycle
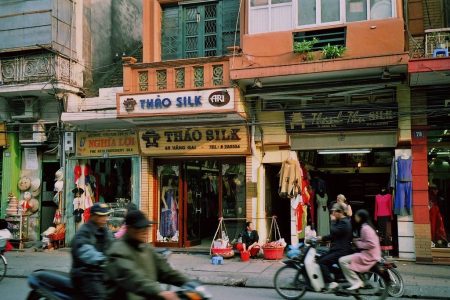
56	285
302	274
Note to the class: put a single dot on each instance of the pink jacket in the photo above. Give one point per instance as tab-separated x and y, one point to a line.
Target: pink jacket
369	244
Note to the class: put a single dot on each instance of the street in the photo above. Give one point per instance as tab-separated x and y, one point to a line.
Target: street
17	289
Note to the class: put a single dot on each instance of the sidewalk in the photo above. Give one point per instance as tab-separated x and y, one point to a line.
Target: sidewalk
422	281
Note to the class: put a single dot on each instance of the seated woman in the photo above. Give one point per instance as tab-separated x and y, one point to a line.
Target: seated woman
369	245
250	239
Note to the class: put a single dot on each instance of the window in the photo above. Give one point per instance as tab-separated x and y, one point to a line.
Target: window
206	29
278	15
270	15
316	12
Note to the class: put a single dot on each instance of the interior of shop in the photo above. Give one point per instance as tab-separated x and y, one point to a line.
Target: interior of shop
362	177
48	204
439	186
193	194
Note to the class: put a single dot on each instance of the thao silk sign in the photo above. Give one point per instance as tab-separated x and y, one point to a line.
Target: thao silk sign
176	103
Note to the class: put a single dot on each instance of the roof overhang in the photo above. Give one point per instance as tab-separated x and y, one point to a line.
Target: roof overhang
429	71
336	70
94	120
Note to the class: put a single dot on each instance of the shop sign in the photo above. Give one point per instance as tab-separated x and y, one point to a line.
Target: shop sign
2	134
185	102
342	118
105	144
194	141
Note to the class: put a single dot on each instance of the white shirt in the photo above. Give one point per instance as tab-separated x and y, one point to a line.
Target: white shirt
5	234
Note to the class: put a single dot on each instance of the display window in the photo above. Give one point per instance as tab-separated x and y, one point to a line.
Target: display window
439	189
193	194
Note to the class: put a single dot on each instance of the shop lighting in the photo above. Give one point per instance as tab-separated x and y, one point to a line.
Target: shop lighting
443	153
445	131
345	151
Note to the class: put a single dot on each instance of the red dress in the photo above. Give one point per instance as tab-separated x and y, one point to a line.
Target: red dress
437	224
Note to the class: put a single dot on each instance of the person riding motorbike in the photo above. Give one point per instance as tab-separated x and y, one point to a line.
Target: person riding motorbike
134	269
88	254
341	238
369	244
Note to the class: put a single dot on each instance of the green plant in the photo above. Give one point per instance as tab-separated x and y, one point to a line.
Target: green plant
304	46
332	51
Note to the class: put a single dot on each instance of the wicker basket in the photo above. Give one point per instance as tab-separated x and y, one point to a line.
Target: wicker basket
273	253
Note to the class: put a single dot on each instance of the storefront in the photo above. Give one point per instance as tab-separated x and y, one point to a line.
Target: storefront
195	171
348	149
105	168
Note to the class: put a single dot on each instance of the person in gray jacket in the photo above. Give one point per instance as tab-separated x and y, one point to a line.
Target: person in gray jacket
88	254
134	270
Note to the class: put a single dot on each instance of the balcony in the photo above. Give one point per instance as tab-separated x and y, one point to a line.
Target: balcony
177	75
38	68
425	46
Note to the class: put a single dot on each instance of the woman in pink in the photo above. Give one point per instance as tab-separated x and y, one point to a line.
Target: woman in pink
363	261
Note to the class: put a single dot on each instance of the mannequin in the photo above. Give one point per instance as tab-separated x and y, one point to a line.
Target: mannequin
383	217
323	215
169	210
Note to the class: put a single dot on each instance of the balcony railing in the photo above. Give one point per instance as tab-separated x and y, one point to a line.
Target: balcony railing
436	39
34	68
201	73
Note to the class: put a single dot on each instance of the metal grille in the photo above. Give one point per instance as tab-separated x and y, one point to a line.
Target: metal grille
170	41
198	76
143	81
210	11
210	29
179	78
218	75
161	79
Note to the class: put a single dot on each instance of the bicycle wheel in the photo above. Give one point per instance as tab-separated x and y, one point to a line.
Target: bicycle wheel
289	283
396	287
3	267
374	287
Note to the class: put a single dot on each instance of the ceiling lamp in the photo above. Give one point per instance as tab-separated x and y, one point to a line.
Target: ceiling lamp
344	151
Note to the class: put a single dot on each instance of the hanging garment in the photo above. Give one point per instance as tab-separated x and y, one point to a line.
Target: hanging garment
290	178
437	224
403	187
323	215
383	206
302	217
384	228
169	218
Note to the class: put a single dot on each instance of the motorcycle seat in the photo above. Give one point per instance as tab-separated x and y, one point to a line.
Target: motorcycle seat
54	280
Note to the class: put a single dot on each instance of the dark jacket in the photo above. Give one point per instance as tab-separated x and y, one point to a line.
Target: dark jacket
88	248
340	235
134	271
249	239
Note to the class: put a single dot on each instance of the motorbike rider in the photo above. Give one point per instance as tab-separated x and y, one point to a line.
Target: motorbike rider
134	269
369	244
341	238
88	254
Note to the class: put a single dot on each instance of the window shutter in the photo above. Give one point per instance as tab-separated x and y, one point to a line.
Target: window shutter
415	17
170	40
230	10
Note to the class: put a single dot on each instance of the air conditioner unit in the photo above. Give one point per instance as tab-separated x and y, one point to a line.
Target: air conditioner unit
32	134
25	109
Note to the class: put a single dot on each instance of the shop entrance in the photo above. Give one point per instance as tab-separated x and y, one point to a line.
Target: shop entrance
193	194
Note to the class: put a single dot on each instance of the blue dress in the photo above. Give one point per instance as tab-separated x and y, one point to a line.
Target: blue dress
169	216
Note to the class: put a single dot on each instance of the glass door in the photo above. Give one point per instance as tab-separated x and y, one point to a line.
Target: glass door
201	200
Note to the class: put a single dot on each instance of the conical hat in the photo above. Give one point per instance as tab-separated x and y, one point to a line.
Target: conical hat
34	205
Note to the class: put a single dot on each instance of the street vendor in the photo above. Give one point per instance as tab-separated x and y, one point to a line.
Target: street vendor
250	240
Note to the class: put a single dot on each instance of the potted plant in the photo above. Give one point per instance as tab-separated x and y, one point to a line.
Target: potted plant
332	51
304	48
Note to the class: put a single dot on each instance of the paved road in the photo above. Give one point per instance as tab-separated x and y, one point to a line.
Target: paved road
17	289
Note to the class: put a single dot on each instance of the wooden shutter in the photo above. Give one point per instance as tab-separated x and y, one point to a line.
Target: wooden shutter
415	17
170	40
230	10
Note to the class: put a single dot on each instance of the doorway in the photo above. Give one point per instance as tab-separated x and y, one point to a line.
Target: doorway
193	194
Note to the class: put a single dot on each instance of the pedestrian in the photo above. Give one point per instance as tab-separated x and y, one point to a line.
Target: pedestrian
134	269
5	235
88	254
348	209
130	206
